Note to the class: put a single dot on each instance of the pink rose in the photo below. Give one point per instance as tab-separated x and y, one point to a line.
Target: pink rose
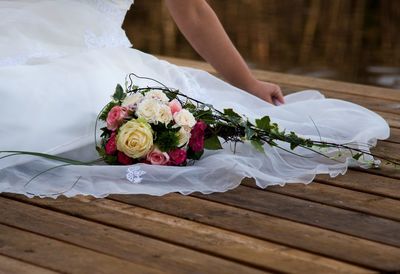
124	159
111	145
177	156
157	157
116	117
196	142
175	106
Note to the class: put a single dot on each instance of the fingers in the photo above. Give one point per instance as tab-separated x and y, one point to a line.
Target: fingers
277	96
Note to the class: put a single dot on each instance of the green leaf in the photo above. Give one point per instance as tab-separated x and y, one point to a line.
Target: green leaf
264	123
119	93
194	155
249	133
171	95
190	106
293	146
232	116
167	140
205	115
212	143
106	110
357	156
230	112
258	145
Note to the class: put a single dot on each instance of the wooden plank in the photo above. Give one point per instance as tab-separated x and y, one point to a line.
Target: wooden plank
340	197
384	170
310	238
368	183
331	85
197	236
131	247
302	81
392	119
387	149
60	256
382	105
12	266
394	135
340	220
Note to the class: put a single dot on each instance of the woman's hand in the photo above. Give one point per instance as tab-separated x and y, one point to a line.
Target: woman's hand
266	91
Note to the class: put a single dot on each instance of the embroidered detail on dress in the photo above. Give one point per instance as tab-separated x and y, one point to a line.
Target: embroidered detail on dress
134	174
106	40
115	9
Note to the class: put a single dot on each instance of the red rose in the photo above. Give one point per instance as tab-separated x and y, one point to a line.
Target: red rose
111	145
124	159
196	142
177	156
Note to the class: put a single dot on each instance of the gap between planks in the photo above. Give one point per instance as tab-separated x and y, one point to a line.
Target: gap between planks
114	242
327	217
243	248
10	265
338	197
276	229
364	182
60	256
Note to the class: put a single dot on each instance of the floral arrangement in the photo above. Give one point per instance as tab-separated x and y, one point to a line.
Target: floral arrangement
162	126
150	127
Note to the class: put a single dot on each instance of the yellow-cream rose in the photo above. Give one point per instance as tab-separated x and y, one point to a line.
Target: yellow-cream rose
132	99
183	137
164	114
148	110
135	138
184	118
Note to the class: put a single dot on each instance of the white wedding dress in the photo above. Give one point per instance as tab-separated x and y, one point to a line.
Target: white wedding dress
60	62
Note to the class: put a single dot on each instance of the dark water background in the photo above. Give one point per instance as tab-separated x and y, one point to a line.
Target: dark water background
349	40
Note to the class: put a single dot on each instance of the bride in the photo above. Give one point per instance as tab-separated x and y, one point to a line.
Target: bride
60	61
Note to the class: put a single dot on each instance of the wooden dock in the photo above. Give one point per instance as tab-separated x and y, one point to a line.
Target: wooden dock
349	224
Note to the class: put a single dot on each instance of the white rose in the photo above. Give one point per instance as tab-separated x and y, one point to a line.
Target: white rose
184	118
135	139
132	99
148	109
164	114
157	95
183	137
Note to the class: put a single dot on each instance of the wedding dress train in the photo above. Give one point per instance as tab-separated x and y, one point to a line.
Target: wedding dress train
50	99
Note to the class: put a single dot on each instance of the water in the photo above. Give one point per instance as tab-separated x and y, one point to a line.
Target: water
348	40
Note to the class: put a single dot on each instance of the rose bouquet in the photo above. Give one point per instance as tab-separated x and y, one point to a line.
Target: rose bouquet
162	126
151	127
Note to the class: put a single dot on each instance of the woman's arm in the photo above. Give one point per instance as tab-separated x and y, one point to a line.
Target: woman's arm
200	25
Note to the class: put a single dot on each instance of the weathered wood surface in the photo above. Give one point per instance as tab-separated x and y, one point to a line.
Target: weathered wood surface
347	224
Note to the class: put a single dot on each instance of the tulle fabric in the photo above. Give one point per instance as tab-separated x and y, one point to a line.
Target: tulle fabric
52	108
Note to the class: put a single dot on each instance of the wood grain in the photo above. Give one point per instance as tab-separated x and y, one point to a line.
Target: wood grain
59	256
341	198
12	266
207	239
345	221
130	247
274	229
368	183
